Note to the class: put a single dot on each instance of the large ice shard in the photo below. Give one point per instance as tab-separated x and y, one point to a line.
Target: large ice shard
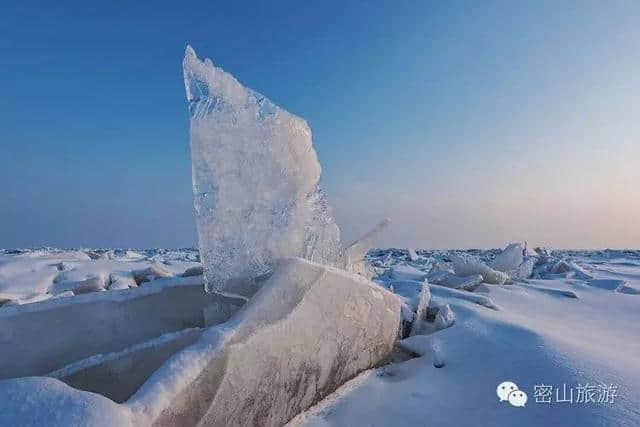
255	181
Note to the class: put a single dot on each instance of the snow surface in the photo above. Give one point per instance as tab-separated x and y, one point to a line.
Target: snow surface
557	331
576	320
42	401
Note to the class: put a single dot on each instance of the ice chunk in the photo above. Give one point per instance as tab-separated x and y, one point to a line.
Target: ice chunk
568	266
388	260
117	375
255	180
150	273
91	284
468	283
407	272
411	293
509	259
353	259
413	256
528	251
308	329
421	310
122	280
468	265
443	292
50	334
193	271
526	268
542	252
445	317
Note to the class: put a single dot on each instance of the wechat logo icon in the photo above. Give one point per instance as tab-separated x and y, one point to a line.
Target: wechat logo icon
509	391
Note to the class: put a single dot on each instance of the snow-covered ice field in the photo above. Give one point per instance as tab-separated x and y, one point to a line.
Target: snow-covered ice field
39	274
573	323
560	331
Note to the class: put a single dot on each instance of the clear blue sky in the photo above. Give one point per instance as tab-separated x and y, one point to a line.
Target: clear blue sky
467	123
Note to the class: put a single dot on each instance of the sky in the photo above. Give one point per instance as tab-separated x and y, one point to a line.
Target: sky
468	124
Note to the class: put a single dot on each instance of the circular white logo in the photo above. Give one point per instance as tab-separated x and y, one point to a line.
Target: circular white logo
509	391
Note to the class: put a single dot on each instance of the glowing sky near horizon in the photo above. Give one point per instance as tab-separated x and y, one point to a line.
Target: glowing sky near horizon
468	124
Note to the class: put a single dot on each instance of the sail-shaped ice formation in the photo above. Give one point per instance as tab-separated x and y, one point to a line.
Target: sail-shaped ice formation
255	181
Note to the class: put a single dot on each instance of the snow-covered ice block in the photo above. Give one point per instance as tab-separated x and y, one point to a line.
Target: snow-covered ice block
445	317
421	309
568	266
193	271
388	260
308	329
353	259
30	300
542	252
423	302
468	265
441	266
552	291
91	284
559	267
415	296
413	256
118	375
41	337
121	280
150	273
441	291
529	251
450	280
525	270
255	180
509	259
407	272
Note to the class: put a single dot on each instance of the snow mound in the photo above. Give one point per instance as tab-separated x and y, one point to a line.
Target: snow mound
41	401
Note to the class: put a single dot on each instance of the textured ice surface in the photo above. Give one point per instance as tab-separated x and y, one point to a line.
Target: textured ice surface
509	259
305	332
468	265
255	180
